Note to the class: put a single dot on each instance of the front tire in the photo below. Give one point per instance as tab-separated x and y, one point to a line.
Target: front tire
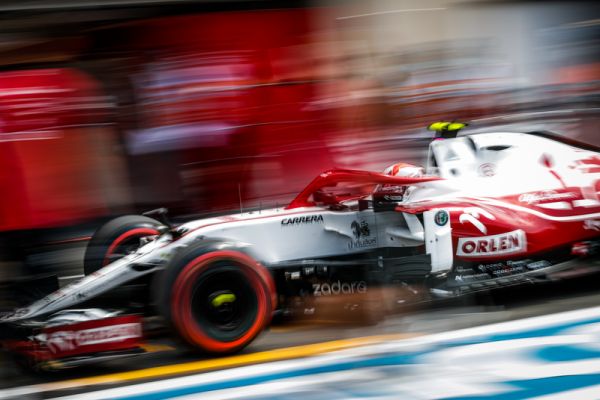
216	300
116	239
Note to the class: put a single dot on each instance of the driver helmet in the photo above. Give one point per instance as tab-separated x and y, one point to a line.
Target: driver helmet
392	192
405	170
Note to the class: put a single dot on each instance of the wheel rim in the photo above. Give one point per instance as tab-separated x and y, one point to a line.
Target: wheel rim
182	312
224	303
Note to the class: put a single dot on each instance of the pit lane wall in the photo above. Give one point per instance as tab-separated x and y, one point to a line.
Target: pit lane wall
553	356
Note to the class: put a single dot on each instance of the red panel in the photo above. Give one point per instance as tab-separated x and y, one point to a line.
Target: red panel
48	98
47	152
109	334
224	31
543	229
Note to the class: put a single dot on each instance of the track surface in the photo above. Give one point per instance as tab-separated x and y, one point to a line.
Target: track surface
290	340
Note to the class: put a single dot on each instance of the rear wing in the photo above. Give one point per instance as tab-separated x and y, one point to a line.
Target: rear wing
335	176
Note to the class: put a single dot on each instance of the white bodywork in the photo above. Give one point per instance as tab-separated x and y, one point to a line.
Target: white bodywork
470	166
279	235
312	232
269	236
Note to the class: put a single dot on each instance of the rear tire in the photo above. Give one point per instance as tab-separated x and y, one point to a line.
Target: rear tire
216	300
117	237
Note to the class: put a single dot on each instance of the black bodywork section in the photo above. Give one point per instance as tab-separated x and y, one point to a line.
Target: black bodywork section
303	284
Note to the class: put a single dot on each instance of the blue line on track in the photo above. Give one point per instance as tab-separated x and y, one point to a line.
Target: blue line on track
523	388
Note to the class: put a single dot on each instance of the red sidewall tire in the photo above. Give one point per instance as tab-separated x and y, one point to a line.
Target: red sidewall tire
182	292
116	232
133	233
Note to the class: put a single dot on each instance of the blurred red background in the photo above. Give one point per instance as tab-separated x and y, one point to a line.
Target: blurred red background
210	111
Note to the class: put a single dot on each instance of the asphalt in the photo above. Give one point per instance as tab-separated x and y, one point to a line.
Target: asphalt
302	338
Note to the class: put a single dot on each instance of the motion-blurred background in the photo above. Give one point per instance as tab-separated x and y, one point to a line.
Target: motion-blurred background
113	107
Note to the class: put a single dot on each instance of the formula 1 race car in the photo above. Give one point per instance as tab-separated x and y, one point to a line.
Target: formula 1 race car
489	209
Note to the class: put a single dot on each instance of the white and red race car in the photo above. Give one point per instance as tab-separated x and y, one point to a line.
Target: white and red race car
489	209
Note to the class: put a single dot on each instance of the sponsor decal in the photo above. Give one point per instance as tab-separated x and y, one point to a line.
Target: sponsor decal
393	198
508	270
496	270
471	277
546	196
362	233
359	244
490	267
502	269
307	219
538	264
487	169
504	243
441	218
360	229
339	287
61	341
591	224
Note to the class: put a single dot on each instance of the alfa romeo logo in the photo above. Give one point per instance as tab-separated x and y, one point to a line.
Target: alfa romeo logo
441	218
